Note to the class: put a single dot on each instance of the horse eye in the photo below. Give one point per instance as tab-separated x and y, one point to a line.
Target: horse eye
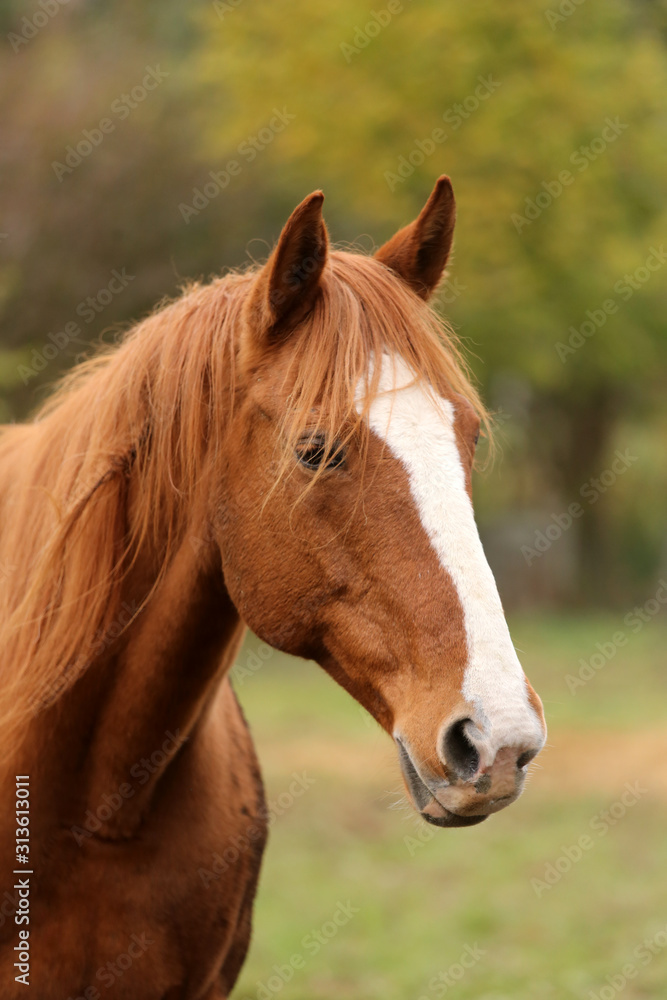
312	453
476	438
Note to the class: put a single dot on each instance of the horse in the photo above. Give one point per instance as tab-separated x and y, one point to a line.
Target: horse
289	449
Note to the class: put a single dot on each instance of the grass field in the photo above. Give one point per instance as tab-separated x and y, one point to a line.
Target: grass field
551	898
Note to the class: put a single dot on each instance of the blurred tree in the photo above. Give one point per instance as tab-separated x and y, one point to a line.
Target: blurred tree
79	203
551	121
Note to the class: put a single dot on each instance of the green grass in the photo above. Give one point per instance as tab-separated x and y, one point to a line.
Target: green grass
422	895
630	690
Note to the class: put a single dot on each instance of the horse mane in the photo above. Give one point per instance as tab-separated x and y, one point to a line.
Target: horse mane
114	459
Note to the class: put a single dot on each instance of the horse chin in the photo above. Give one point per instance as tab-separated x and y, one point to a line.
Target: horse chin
450	819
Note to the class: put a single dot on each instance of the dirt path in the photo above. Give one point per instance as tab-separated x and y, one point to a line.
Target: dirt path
603	761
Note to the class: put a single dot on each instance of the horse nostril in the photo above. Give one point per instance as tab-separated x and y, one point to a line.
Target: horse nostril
460	753
525	758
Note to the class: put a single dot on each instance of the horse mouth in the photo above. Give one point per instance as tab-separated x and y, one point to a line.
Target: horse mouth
450	819
425	798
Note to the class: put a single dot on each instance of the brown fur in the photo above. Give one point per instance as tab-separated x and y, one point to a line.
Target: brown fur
152	510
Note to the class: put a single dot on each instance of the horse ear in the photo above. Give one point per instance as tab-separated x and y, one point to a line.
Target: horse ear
418	253
288	284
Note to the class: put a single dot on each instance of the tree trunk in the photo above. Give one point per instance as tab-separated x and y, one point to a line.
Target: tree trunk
572	436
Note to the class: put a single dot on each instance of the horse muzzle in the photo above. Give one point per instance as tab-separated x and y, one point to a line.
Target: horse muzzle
473	786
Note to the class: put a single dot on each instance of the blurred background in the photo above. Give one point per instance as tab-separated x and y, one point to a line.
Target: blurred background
142	145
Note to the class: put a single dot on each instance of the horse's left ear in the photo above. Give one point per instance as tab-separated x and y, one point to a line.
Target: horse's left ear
418	253
288	284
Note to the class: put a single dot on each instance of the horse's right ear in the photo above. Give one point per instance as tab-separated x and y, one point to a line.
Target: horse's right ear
288	284
418	253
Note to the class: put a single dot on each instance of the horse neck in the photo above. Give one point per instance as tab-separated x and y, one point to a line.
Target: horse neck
164	681
154	686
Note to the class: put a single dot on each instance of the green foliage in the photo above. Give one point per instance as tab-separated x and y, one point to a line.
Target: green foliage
359	110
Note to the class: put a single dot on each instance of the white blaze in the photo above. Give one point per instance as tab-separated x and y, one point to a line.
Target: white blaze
418	428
